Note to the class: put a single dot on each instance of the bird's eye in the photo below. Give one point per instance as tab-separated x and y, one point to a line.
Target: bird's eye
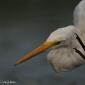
57	43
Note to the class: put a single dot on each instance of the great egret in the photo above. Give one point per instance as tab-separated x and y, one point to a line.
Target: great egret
67	51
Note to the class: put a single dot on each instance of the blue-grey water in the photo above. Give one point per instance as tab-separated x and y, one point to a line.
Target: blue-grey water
25	24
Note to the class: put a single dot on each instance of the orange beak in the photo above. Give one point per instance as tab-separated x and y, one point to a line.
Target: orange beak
35	52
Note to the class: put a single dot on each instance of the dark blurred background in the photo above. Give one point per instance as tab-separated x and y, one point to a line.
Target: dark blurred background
24	24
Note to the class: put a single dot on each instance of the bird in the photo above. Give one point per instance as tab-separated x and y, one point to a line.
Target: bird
66	44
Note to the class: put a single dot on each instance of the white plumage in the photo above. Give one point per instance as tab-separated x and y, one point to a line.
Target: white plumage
79	18
62	42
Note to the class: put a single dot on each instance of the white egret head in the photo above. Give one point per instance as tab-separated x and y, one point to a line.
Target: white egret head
55	39
62	34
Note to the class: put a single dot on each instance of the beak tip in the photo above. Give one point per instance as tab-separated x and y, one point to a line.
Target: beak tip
16	63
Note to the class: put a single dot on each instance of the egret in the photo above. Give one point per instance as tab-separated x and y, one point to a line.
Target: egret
67	48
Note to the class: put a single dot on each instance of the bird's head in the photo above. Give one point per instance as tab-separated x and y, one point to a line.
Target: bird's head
56	38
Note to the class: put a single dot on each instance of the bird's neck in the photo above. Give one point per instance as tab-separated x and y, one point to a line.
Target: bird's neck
82	34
